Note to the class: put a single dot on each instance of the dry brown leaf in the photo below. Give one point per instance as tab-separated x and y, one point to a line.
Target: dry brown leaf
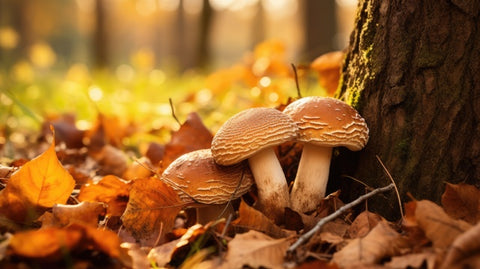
112	160
425	260
85	212
381	242
460	201
256	250
438	227
191	136
110	190
151	209
252	219
141	168
52	243
464	250
363	224
38	184
65	130
45	243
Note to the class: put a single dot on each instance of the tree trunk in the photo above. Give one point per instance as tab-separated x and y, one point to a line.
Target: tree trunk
413	71
100	37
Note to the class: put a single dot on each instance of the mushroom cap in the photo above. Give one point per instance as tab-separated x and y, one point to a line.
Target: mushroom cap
249	132
198	179
329	122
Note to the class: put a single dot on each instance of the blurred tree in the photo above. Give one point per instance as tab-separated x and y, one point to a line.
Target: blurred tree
203	53
412	71
320	27
100	38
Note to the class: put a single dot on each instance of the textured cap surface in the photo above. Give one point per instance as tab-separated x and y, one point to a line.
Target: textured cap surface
327	121
197	178
250	131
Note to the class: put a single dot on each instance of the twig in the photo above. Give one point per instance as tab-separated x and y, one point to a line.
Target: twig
393	182
302	239
296	81
173	111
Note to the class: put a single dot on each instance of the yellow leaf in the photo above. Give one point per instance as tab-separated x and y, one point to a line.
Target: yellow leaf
40	183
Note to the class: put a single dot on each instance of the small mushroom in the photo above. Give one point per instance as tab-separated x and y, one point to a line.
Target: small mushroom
323	123
252	134
205	185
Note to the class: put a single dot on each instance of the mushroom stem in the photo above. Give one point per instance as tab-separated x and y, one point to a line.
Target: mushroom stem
311	179
271	183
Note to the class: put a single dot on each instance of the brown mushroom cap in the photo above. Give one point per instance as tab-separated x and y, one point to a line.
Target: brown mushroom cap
325	121
328	61
249	132
197	178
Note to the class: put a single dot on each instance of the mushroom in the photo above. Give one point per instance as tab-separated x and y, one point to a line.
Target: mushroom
323	123
205	185
252	134
328	67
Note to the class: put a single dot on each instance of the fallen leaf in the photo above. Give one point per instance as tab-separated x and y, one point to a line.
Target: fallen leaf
191	136
110	190
252	219
65	130
438	227
85	212
460	201
141	168
363	224
48	243
425	260
112	160
381	242
255	249
464	250
53	243
38	184
151	209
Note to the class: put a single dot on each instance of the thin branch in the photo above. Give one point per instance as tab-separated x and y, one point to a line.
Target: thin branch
173	111
393	182
302	239
296	81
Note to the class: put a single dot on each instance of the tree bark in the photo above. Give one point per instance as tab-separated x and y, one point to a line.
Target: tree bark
413	72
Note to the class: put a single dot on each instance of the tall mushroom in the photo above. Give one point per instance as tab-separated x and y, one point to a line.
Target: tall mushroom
252	134
323	123
205	185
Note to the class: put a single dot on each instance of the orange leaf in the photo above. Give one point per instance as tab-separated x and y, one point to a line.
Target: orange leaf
250	218
40	183
460	201
191	136
110	190
151	209
85	212
44	243
52	243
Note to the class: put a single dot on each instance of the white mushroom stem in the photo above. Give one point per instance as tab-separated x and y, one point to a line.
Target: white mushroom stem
311	179
271	183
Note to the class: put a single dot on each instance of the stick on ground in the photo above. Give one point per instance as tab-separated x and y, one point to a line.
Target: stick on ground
304	238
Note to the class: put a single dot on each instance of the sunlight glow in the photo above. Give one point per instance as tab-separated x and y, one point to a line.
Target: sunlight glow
83	125
255	92
280	8
192	7
265	81
168	5
157	77
203	97
95	93
9	38
125	73
273	97
145	7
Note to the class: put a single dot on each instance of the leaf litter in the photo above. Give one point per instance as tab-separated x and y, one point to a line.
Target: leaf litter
87	200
